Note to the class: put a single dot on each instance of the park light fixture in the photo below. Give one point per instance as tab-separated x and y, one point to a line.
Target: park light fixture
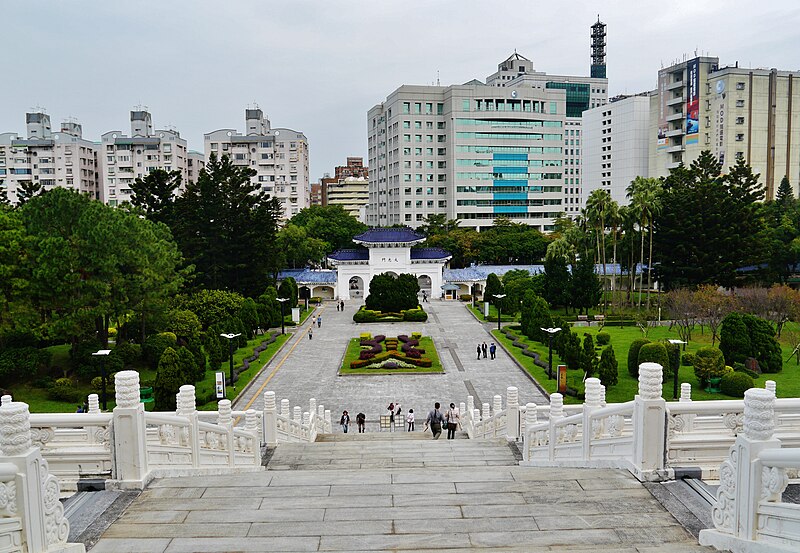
675	372
230	338
283	317
499	297
550	333
102	354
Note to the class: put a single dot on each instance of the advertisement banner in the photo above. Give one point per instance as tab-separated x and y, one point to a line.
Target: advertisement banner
663	126
219	385
693	101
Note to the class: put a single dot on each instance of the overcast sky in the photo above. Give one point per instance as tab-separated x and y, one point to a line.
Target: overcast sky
318	66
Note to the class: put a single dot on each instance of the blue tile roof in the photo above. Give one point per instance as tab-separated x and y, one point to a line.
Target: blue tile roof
309	276
480	272
379	235
361	254
429	253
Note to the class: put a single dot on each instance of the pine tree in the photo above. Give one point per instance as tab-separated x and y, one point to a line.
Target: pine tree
589	356
585	289
785	196
556	280
169	379
608	369
535	315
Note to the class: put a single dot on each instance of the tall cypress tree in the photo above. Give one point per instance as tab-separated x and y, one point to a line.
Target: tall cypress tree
585	289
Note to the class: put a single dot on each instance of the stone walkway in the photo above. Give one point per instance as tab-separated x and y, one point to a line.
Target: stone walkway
309	368
392	493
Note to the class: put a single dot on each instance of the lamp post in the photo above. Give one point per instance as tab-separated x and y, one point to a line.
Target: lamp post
499	297
230	338
550	332
283	317
675	372
102	354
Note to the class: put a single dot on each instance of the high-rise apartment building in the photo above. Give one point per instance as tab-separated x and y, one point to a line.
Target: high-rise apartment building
731	111
195	163
615	145
349	187
353	168
125	158
278	156
51	159
473	152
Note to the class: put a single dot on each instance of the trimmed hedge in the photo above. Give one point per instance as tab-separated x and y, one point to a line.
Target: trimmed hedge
603	338
633	356
655	352
687	360
365	315
735	384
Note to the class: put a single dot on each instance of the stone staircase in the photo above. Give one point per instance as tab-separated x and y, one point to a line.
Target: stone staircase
399	492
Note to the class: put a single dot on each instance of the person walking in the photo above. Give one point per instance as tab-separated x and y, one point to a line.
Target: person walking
319	321
337	306
342	304
479	350
391	415
310	332
484	349
424	297
492	350
410	420
361	421
453	417
434	421
345	421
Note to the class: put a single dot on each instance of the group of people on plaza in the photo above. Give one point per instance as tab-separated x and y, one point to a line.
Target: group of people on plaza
436	421
316	320
482	350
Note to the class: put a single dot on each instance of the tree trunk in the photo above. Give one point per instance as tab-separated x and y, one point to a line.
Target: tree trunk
641	265
650	265
614	275
605	274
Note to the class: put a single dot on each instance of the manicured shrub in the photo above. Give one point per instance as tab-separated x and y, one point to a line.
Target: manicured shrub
534	316
603	338
168	380
709	363
389	293
364	315
573	353
633	356
64	390
674	354
130	353
655	352
687	360
22	362
764	347
589	360
608	369
465	297
734	339
735	384
155	345
184	324
739	368
415	315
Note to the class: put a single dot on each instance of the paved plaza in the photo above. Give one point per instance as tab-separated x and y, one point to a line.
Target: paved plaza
309	368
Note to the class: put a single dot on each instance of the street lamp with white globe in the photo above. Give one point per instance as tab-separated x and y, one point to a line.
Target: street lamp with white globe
550	332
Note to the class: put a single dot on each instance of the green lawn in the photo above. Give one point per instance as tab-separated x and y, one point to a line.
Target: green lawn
426	343
788	380
478	310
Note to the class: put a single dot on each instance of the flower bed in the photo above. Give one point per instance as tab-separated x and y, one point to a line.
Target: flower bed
382	355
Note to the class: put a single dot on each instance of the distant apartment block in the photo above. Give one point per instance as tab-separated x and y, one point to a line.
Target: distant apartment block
278	156
615	145
349	187
731	111
125	158
52	159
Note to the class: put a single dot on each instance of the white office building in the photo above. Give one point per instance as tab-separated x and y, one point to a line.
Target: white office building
51	159
125	158
615	145
278	156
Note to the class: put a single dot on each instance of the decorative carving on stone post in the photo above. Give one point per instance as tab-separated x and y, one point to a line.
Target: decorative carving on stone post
285	408
497	404
686	392
224	417
129	432
126	389
5	399
15	428
512	413
270	419
94	404
649	422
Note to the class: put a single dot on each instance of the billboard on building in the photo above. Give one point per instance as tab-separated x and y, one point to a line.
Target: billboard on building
693	101
663	125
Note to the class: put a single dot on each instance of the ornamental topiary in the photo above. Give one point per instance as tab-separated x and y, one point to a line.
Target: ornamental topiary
603	338
734	339
633	356
708	363
608	369
655	352
687	360
735	384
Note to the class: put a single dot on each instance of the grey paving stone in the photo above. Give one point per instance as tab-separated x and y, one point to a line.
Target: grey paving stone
228	545
487	498
400	489
576	522
123	545
330	502
544	538
153	517
275	514
173	493
276	492
323	528
415	542
462	525
241	503
140	531
393	513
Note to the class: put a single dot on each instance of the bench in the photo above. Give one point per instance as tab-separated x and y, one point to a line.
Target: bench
599	317
583	318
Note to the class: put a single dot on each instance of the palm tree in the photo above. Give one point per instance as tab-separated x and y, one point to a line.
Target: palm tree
645	196
597	206
614	220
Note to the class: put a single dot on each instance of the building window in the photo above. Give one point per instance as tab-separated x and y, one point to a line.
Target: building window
417	107
739	103
553	108
740	120
464	105
439	109
740	85
406	107
739	137
406	124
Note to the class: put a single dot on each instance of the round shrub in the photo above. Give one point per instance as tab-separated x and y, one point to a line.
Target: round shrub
709	363
603	338
687	360
633	356
655	352
129	353
415	316
64	390
735	384
155	346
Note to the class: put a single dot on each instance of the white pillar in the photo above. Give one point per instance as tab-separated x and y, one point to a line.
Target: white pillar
530	422
686	397
285	408
94	404
772	387
224	417
32	493
298	414
130	448
251	422
649	417
5	399
270	420
497	404
556	412
328	422
741	487
512	413
485	412
686	392
593	402
187	407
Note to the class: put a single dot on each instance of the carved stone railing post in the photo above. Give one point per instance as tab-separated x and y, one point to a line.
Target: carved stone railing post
743	483
5	399
530	421
497	404
130	447
187	407
32	495
225	419
772	387
94	404
686	397
485	411
649	419
602	395
512	413
593	402
556	412
285	408
270	419
328	422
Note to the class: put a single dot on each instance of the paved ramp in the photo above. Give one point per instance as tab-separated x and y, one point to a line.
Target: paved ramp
355	493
